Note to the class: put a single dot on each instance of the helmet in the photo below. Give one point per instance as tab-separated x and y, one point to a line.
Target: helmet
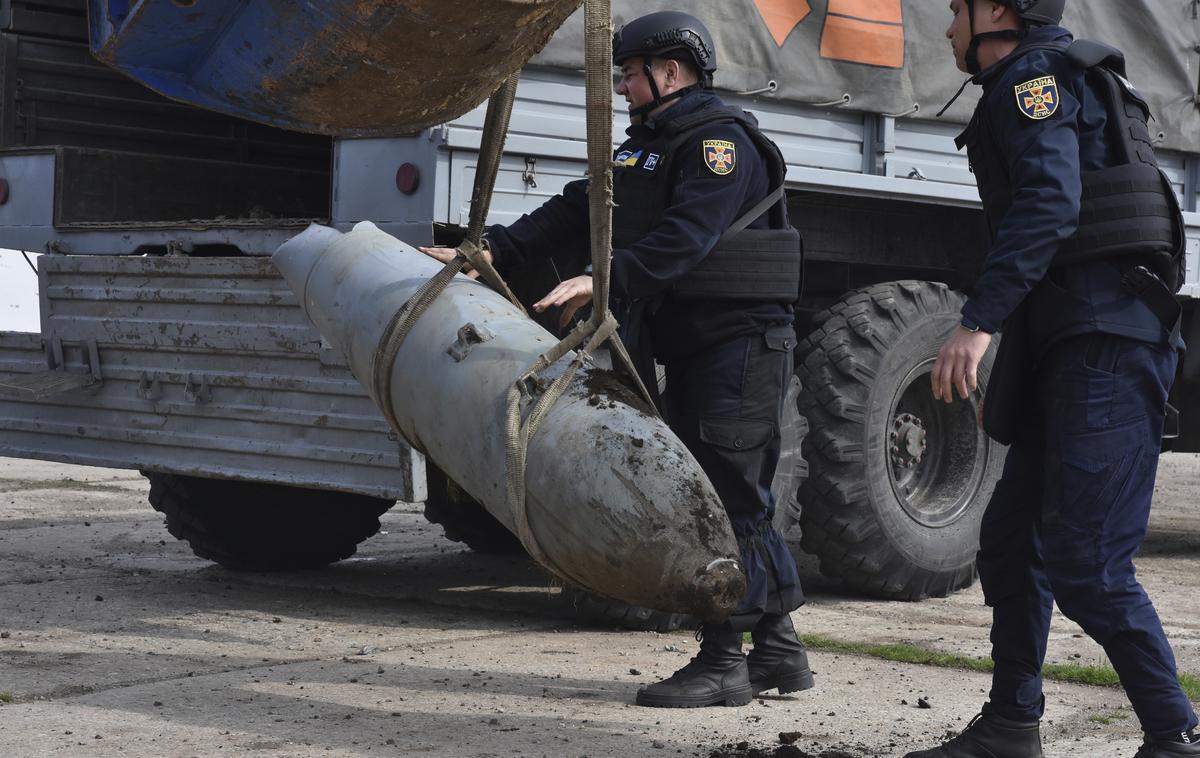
668	34
1038	12
1031	12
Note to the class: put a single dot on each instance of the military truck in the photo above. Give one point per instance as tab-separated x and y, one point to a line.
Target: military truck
168	343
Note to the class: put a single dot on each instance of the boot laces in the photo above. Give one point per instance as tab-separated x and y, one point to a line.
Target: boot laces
962	737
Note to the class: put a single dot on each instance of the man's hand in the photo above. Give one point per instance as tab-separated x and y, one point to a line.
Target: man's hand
571	294
446	254
957	364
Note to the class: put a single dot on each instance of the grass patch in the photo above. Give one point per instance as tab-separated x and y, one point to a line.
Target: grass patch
1191	685
1075	673
900	653
7	697
1107	717
1078	673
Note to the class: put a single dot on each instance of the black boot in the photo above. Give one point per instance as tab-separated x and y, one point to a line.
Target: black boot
778	660
1167	748
990	736
716	675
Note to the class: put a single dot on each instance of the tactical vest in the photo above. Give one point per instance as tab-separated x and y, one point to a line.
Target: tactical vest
746	264
1128	212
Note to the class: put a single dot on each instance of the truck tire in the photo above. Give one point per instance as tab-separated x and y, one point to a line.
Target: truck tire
898	482
252	526
463	519
597	610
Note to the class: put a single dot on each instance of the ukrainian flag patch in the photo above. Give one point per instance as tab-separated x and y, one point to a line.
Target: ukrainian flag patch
1038	98
629	158
720	156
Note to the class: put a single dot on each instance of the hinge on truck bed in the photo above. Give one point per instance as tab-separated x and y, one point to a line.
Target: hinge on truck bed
56	379
197	391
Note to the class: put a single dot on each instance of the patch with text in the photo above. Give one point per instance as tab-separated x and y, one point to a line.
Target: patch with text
720	156
1038	98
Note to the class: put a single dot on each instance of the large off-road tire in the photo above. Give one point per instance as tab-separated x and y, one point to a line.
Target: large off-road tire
597	610
252	526
463	519
898	482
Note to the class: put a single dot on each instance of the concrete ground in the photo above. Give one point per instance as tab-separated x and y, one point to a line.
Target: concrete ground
115	640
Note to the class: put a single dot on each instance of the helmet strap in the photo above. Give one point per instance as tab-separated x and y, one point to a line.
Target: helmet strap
973	66
656	97
977	39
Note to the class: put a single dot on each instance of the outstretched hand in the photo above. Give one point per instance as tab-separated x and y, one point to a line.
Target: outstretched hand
571	294
446	254
957	364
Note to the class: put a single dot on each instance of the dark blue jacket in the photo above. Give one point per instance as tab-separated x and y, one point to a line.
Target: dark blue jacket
702	206
1027	151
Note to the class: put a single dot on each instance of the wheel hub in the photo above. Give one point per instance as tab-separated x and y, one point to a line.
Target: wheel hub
908	441
936	456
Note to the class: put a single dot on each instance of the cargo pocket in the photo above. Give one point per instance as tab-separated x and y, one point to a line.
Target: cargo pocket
1094	473
1100	376
768	372
735	453
780	339
736	434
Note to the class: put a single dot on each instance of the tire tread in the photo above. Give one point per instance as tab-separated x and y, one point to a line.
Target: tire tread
838	363
255	526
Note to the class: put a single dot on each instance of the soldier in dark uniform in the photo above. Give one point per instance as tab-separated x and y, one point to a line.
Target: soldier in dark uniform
1085	237
698	188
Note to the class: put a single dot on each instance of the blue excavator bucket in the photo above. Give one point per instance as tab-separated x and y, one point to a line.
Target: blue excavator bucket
350	68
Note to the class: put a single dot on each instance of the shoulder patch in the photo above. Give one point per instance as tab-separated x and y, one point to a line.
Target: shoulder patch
629	158
1038	98
720	156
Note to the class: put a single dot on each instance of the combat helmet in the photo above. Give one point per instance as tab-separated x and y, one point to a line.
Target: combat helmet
671	35
1038	12
1031	12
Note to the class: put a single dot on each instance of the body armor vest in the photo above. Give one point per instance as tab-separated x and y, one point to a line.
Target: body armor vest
745	264
1128	212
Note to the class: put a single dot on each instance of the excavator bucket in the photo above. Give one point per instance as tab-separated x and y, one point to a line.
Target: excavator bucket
347	68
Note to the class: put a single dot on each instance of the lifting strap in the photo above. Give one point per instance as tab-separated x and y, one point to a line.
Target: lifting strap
601	327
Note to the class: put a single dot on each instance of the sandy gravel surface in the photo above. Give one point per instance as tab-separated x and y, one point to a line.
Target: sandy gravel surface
115	640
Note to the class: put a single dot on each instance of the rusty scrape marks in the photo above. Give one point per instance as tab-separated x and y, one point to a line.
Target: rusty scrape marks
385	69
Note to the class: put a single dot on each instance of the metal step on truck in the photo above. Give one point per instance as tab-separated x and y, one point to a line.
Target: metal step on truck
166	342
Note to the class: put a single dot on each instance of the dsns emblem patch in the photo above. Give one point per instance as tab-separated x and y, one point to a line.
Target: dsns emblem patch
1038	98
720	156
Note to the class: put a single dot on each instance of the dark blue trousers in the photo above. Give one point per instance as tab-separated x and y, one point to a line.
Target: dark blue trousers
1066	520
725	403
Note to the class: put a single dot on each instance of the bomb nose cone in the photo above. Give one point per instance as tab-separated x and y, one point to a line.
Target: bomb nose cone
718	589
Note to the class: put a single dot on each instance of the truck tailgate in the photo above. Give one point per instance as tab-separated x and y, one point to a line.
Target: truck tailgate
202	366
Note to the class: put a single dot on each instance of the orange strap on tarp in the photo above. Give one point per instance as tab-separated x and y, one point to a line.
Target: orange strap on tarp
856	31
864	31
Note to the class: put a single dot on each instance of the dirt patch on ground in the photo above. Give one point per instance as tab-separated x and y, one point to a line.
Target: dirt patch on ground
116	641
746	750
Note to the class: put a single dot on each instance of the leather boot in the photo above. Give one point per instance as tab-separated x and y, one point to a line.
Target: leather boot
778	661
990	736
1160	748
716	675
